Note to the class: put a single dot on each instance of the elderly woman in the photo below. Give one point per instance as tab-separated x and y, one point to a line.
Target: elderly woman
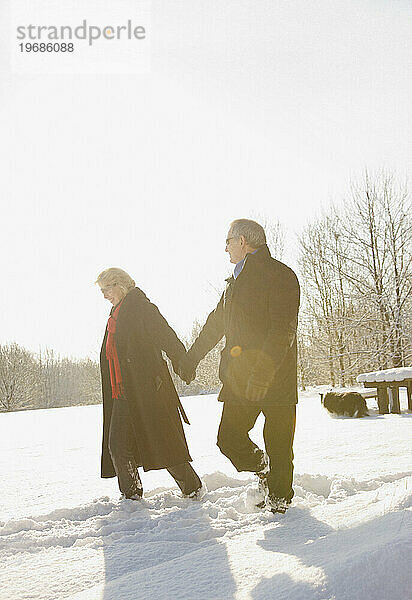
142	412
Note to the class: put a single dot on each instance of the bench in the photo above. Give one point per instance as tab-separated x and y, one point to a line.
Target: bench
387	384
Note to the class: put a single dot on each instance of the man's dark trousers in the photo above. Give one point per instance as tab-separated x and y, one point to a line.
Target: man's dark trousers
278	433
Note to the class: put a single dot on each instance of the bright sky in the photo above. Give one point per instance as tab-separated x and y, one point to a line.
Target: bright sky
249	107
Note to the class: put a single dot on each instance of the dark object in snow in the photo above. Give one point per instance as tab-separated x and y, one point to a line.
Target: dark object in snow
348	404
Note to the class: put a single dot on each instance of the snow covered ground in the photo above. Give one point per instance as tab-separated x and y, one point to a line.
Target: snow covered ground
64	533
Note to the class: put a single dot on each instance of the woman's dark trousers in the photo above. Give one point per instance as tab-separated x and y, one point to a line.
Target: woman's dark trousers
125	455
278	433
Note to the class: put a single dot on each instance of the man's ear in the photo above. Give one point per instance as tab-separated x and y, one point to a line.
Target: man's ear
242	240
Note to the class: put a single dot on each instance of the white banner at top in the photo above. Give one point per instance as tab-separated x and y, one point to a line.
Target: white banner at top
69	36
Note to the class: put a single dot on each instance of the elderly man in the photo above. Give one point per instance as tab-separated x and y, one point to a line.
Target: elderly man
257	314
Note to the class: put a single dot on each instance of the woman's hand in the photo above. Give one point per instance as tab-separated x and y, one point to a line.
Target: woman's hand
186	370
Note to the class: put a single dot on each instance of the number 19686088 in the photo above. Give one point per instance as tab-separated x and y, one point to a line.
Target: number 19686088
50	47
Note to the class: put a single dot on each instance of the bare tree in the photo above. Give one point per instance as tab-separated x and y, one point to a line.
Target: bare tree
49	376
325	299
18	384
356	270
378	227
275	234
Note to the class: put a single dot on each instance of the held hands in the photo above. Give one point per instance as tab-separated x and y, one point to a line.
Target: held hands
255	390
186	370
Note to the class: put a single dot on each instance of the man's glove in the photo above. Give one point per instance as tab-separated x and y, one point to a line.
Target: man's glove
255	390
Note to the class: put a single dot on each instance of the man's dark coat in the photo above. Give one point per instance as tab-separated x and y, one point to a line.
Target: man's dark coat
257	314
141	334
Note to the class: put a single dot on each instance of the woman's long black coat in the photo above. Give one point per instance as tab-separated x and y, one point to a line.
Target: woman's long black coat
154	406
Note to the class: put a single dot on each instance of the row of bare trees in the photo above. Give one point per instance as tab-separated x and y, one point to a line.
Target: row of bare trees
356	275
355	270
44	380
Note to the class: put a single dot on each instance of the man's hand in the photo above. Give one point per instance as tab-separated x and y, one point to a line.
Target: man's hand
255	390
186	370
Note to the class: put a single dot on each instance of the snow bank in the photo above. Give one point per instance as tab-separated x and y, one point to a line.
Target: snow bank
65	535
343	539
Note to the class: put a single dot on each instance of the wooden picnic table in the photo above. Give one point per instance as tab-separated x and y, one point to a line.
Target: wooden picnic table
387	384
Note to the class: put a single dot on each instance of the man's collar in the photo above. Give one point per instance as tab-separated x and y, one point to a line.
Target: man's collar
239	266
258	254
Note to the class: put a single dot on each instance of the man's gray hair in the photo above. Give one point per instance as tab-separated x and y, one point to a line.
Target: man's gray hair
253	233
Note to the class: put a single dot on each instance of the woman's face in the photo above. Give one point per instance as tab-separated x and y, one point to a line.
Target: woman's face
112	293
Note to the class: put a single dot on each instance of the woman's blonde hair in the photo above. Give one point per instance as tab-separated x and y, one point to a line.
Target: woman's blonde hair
115	276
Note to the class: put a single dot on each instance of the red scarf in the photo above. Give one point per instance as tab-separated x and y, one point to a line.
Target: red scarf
111	355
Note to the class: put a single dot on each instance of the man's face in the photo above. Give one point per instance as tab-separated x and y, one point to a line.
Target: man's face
235	247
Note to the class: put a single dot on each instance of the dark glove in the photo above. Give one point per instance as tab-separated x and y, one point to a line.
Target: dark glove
186	370
255	390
